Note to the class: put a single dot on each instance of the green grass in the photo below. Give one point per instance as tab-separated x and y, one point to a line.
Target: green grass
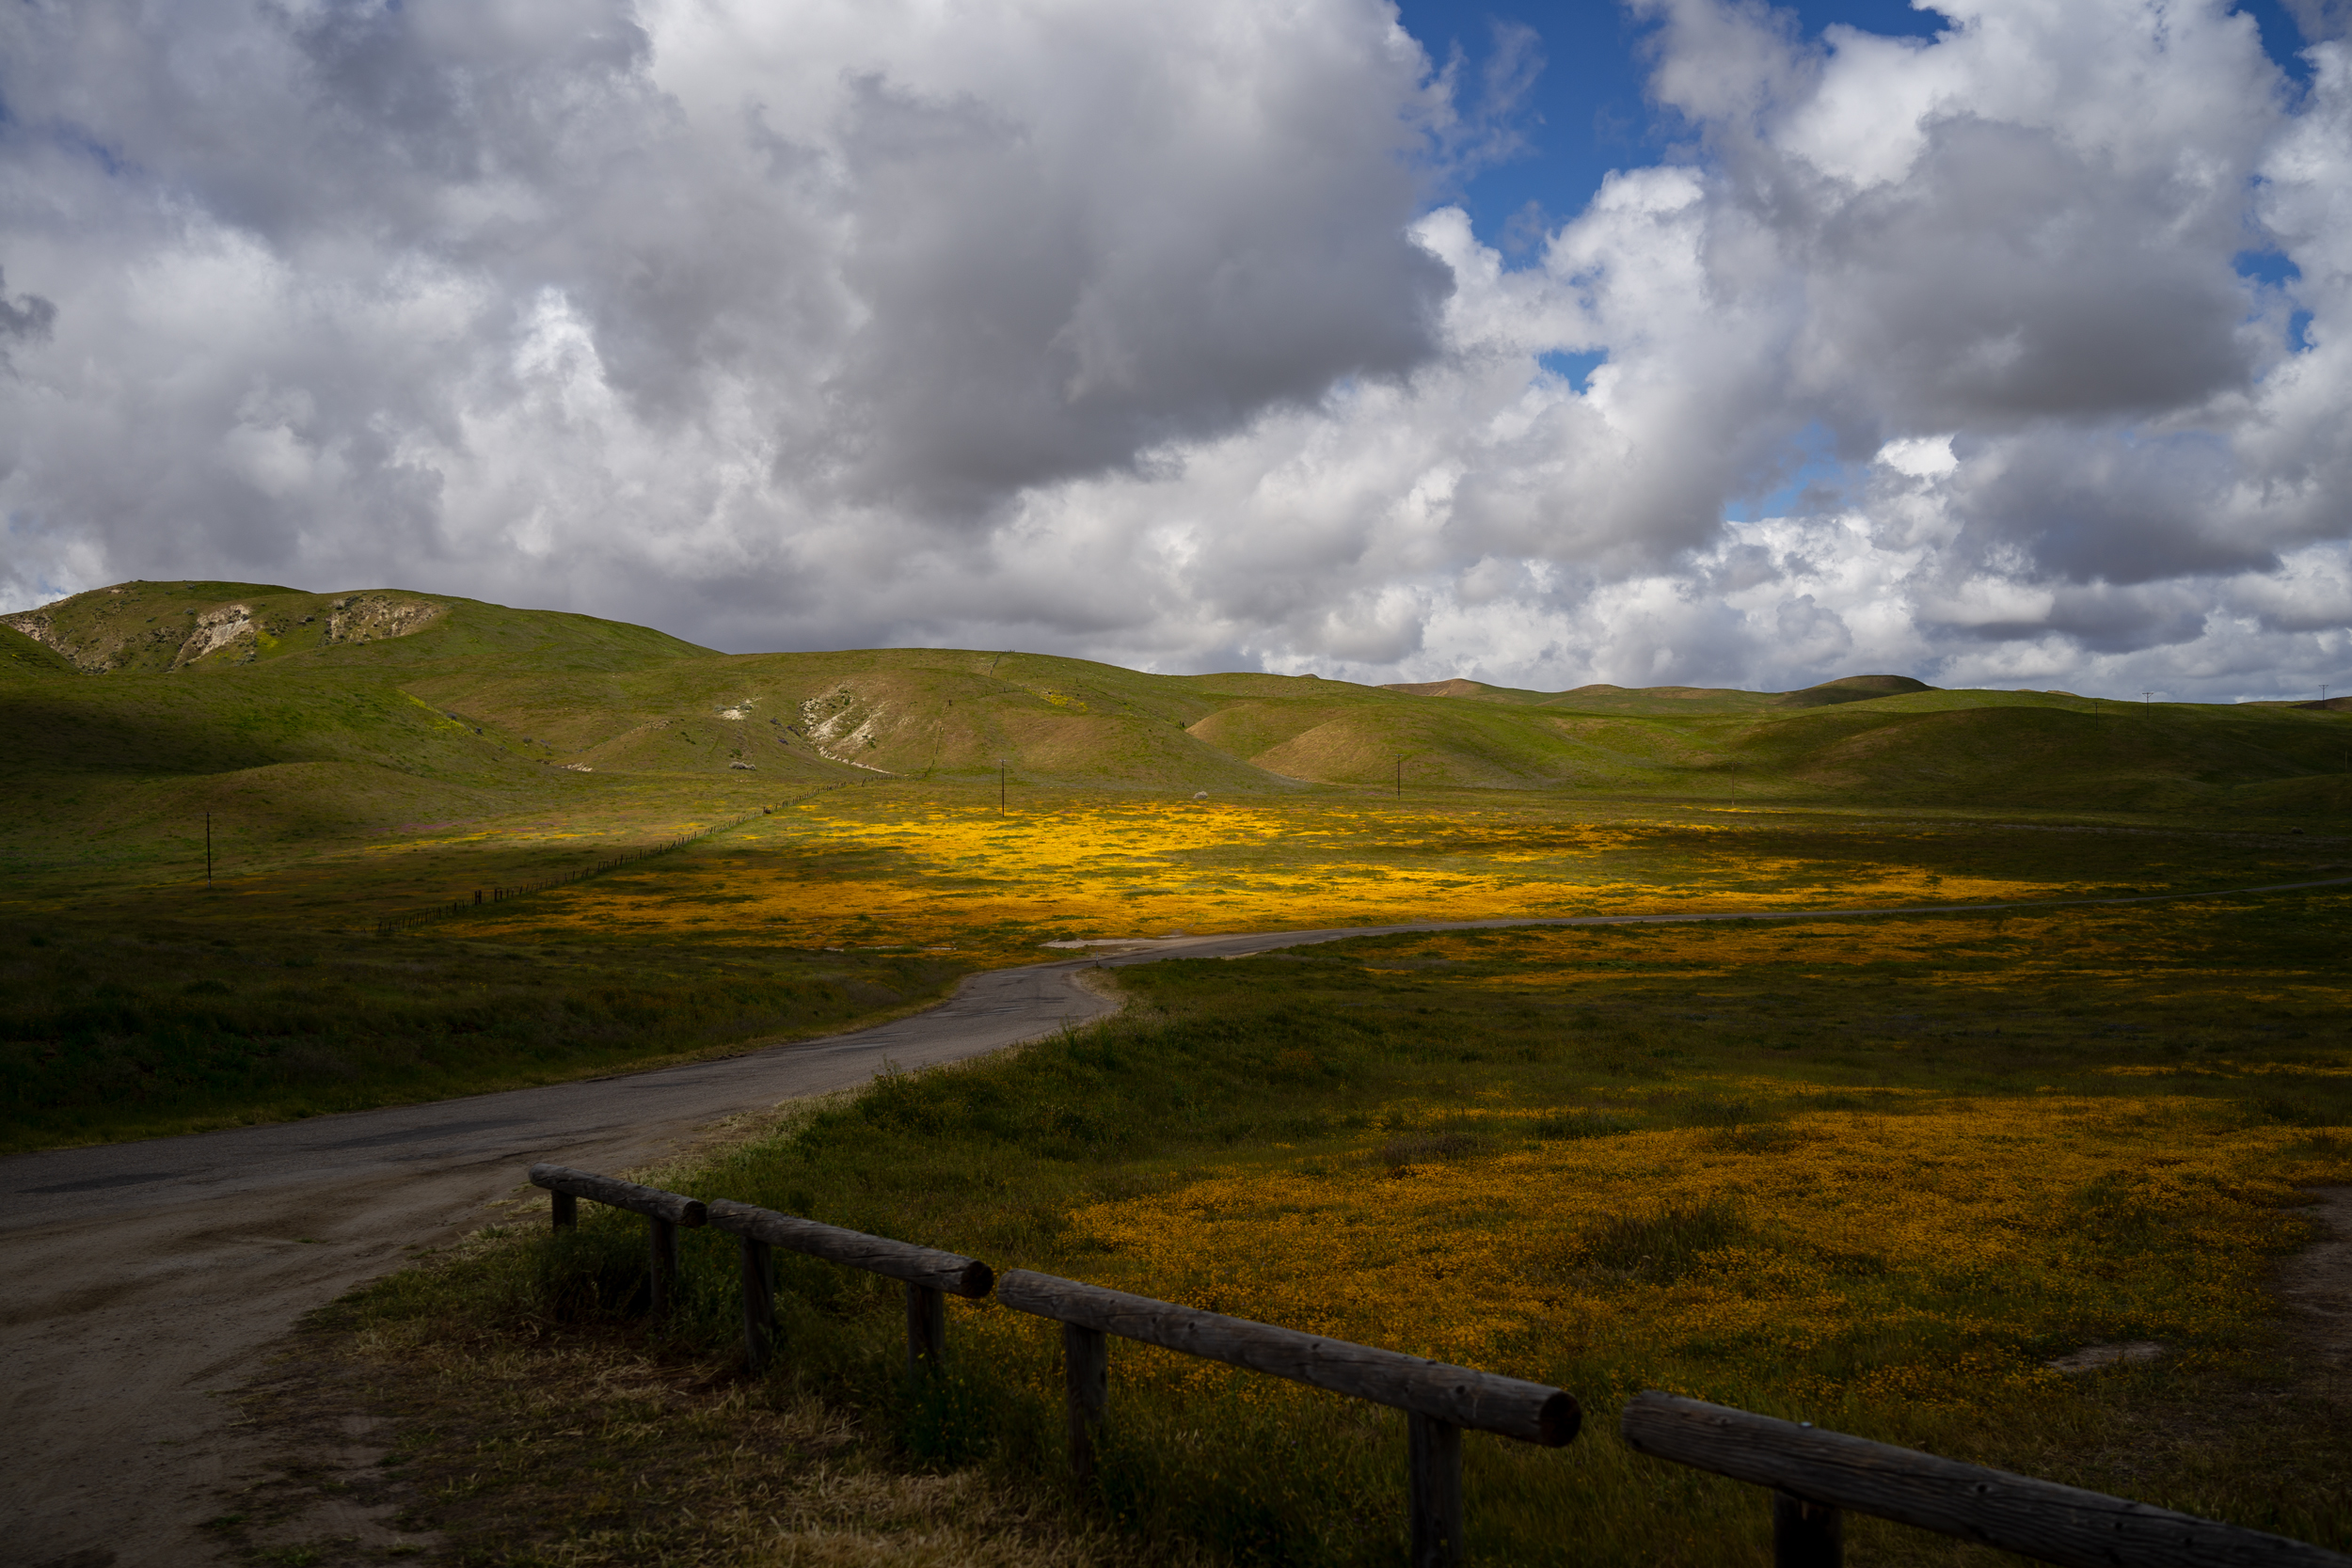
162	1025
299	744
1404	1052
352	756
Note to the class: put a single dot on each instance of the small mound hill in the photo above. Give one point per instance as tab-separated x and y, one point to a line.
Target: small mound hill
1852	689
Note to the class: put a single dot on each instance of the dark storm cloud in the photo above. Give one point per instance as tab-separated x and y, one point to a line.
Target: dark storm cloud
27	321
1020	330
2010	279
2107	510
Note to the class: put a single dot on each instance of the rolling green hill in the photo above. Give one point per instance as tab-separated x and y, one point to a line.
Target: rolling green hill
130	712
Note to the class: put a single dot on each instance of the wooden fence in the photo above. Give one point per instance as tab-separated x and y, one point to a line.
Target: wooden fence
1438	1401
1815	1476
665	1212
930	1277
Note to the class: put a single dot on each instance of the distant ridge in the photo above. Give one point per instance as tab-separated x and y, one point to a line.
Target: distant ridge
1850	689
387	706
1457	687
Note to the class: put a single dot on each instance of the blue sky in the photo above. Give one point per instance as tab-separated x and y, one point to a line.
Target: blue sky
1585	113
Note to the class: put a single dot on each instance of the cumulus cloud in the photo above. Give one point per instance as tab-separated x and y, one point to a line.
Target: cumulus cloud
1134	332
669	280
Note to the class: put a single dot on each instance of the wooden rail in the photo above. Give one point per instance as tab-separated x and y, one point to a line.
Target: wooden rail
1816	1477
664	1213
931	1275
1816	1474
1438	1401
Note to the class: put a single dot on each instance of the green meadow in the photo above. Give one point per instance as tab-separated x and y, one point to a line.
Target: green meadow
1875	1173
340	760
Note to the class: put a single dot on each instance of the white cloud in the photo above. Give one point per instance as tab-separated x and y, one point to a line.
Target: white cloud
1120	330
1920	457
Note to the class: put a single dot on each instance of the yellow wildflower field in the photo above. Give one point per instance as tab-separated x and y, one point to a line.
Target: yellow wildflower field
846	869
1825	1224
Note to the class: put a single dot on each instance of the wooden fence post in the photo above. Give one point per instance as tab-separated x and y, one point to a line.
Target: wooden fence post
1086	1356
1807	1535
927	1329
566	1211
664	1238
760	1305
1433	1459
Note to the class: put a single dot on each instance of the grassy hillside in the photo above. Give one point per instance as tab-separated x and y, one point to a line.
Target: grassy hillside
307	721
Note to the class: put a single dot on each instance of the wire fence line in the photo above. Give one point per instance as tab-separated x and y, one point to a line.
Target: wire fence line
484	897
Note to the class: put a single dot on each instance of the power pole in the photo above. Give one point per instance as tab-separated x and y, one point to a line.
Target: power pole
2147	702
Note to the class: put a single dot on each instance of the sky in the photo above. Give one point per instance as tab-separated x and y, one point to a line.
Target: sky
1680	341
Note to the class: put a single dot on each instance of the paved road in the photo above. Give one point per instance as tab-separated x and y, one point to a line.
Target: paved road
140	1281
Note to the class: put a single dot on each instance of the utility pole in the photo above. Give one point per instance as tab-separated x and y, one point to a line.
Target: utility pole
2147	702
208	850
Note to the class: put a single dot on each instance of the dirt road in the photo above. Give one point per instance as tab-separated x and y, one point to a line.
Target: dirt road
139	1282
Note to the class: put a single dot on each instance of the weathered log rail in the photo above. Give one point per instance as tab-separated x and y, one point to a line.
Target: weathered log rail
1438	1401
1817	1476
664	1211
929	1276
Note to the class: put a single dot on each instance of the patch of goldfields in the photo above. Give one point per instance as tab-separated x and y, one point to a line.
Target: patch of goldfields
1982	1233
856	871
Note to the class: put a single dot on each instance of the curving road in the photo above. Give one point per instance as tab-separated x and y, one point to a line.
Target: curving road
141	1281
